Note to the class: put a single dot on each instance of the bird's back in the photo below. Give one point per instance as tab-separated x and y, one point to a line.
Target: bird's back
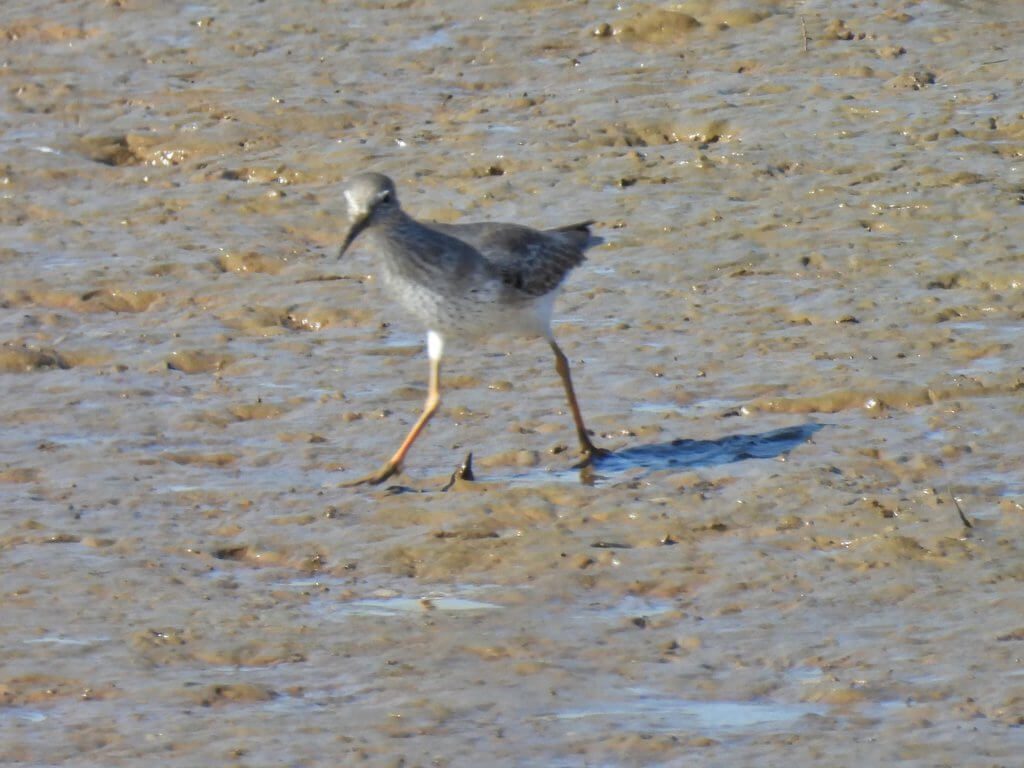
530	261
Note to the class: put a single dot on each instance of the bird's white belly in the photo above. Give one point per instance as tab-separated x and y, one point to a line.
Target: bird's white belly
483	311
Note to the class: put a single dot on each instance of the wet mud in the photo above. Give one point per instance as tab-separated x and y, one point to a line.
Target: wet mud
801	339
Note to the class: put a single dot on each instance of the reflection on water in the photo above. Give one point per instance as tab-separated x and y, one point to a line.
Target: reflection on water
387	602
652	712
404	606
26	715
622	607
60	640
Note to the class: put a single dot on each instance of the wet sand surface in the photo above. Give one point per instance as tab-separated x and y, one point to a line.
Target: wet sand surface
803	339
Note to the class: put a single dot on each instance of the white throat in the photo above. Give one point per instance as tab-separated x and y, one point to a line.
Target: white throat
355	208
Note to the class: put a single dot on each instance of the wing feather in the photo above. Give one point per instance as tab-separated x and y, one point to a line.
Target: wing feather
530	261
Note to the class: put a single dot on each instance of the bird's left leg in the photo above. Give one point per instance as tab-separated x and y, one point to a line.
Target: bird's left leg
587	447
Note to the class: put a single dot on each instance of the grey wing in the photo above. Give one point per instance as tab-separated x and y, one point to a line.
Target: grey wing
530	261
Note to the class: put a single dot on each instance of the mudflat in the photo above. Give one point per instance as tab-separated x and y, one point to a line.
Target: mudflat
802	338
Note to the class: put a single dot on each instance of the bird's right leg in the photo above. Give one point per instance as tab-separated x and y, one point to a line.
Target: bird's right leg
394	465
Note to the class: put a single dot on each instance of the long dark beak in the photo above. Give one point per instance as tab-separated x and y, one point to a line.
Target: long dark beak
357	226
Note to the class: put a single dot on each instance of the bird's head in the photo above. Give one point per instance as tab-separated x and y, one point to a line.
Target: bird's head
367	196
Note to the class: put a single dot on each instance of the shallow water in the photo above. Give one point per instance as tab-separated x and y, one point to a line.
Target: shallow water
802	339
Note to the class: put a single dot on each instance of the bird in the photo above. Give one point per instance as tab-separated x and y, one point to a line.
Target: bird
464	282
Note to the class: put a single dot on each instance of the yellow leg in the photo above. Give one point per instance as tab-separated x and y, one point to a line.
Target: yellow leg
394	465
587	448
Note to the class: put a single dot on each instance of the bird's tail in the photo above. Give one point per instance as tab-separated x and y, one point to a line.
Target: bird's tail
579	235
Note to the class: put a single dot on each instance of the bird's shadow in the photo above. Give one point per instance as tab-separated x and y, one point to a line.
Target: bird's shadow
675	454
683	453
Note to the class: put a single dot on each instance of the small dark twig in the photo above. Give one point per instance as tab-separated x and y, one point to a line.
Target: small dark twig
464	472
963	518
327	279
803	29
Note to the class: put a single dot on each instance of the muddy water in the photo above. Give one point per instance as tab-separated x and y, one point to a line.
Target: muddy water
802	338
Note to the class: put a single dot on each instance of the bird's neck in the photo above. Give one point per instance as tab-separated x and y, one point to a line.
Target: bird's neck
395	224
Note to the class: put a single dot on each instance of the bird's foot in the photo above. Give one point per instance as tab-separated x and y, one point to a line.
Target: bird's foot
389	470
591	454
